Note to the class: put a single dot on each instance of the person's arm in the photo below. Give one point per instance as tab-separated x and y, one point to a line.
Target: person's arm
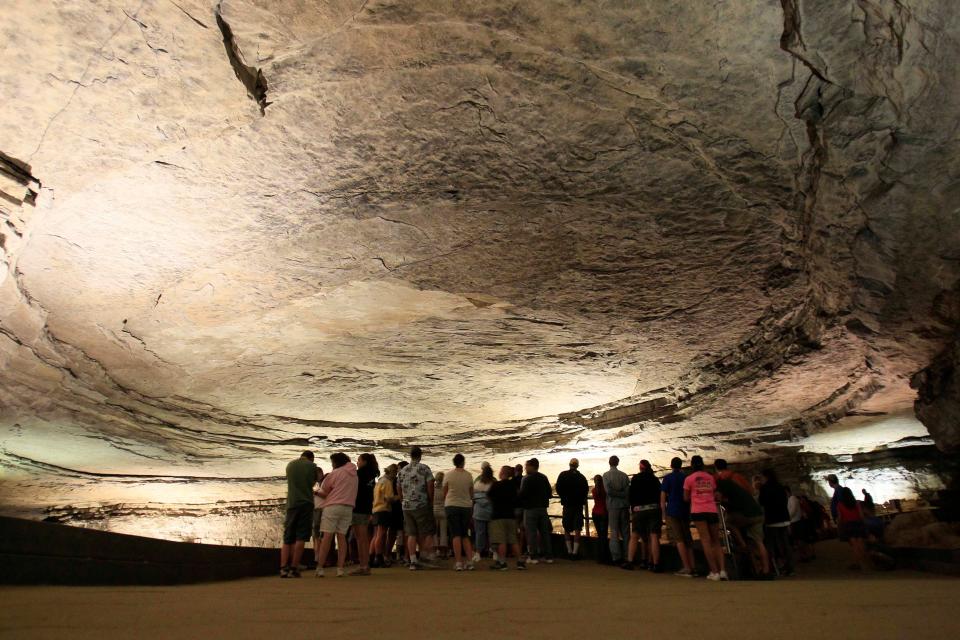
326	487
663	501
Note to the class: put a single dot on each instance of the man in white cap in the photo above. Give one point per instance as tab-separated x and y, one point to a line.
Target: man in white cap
572	487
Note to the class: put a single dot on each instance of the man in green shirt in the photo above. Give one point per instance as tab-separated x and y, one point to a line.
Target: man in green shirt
301	476
745	516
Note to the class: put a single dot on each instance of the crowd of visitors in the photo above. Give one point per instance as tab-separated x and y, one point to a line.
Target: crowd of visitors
410	515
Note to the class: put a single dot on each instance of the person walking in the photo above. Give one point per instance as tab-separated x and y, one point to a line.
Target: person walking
301	474
699	489
535	494
367	473
851	527
600	519
339	491
572	489
503	528
646	519
616	484
677	515
383	498
458	504
482	511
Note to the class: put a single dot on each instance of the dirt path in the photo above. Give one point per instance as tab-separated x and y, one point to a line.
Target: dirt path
565	600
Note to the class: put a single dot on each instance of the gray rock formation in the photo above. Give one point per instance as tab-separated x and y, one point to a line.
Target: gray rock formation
233	230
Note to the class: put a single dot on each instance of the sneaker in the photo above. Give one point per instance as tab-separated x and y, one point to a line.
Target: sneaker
340	573
521	565
499	566
627	565
458	566
532	560
412	566
684	573
470	566
715	577
294	572
360	571
476	557
548	560
320	573
284	572
724	576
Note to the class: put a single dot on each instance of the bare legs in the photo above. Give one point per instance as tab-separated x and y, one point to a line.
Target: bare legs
461	545
362	533
295	550
710	539
325	543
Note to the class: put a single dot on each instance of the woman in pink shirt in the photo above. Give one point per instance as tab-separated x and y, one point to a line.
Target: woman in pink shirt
699	489
339	494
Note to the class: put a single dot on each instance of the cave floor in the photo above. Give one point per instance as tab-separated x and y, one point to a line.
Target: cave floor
580	599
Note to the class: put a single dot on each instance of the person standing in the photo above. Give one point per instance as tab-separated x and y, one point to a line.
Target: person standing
367	473
745	517
617	486
482	511
416	493
458	504
517	480
317	513
677	516
600	519
301	476
776	519
339	493
440	516
646	519
699	489
383	498
572	488
535	493
503	528
725	473
397	539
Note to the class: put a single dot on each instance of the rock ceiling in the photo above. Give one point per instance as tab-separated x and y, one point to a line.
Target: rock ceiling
231	230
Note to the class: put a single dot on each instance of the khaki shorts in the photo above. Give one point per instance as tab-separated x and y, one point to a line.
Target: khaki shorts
751	528
678	530
336	518
503	531
419	522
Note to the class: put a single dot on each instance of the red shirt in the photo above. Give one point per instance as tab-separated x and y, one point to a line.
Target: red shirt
599	501
848	514
727	474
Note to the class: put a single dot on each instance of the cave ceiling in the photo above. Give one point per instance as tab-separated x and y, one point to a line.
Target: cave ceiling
234	230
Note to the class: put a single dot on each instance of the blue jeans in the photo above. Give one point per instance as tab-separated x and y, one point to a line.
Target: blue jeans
536	521
481	538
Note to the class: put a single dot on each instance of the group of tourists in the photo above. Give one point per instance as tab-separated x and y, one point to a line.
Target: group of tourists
409	515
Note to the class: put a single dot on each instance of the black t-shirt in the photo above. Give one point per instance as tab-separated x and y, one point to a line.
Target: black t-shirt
366	481
503	496
644	489
572	488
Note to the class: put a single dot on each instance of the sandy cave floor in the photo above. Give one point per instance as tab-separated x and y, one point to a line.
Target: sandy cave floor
548	601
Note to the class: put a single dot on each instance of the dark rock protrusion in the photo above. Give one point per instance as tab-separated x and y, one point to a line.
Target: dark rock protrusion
251	77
